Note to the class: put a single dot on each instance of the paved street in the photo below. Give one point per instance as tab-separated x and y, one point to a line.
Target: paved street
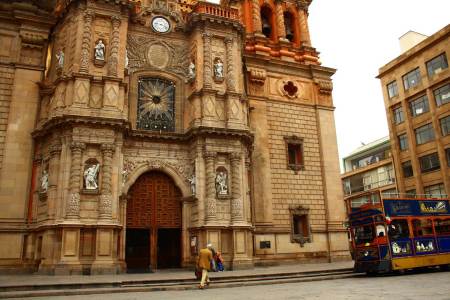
424	286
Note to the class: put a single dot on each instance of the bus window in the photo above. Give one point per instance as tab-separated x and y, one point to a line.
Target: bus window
364	234
380	230
442	227
398	229
422	227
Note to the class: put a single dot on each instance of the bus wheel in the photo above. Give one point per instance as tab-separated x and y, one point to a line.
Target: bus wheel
371	273
444	267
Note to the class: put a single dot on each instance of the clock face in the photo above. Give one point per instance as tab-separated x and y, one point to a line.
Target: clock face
160	24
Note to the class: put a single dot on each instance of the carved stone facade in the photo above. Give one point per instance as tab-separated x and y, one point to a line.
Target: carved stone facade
158	112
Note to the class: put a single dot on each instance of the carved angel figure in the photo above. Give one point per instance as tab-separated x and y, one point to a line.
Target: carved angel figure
90	177
221	183
100	50
218	69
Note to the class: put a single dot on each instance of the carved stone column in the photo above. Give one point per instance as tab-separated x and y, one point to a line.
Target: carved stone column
231	83
73	202
114	53
105	205
281	28
207	69
256	12
302	8
53	171
237	214
210	214
86	42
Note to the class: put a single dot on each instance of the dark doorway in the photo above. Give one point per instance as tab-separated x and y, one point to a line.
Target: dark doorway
137	249
169	248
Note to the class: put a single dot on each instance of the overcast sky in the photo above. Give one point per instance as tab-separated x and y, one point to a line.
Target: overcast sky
357	37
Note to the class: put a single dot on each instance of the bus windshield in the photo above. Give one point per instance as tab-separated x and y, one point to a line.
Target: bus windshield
364	234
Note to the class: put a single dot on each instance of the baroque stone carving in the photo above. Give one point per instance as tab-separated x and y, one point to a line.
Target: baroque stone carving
207	59
257	76
114	53
105	206
140	56
130	165
257	25
231	84
73	207
86	41
325	86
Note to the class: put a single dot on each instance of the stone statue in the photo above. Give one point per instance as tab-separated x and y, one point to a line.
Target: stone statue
90	177
192	181
218	69
100	50
191	71
126	58
60	58
44	181
221	183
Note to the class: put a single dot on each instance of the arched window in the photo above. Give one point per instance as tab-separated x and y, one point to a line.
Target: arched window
156	104
289	25
267	21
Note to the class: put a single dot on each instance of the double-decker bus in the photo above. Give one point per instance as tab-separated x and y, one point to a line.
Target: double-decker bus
389	234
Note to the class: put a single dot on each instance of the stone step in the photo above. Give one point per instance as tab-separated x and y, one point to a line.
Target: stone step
172	285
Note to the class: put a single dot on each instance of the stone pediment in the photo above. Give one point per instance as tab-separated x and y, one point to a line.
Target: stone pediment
150	53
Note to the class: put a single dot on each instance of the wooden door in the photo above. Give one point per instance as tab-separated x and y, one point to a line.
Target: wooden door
154	204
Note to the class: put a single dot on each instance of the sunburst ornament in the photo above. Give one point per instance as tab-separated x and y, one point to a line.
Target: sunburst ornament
156	104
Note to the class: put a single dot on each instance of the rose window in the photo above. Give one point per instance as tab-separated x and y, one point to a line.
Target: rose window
156	105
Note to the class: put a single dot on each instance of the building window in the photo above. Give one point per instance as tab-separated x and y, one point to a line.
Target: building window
419	106
445	125
435	191
447	153
403	142
294	147
437	64
407	169
392	89
398	115
289	25
442	95
424	134
410	193
429	162
267	21
411	79
389	193
300	229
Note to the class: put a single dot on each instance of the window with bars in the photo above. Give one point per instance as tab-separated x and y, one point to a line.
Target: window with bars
445	125
403	142
442	95
411	79
437	64
419	106
407	169
424	134
429	163
398	115
392	89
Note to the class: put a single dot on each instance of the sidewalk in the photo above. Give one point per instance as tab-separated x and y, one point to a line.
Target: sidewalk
170	274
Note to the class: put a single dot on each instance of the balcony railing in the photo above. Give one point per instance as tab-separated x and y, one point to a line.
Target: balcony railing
216	10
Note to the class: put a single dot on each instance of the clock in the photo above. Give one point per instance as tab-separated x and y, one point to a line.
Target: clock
160	24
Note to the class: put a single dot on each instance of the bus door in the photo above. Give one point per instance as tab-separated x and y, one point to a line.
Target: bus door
400	242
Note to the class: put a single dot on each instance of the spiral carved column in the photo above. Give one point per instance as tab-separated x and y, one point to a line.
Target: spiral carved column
231	84
105	205
211	210
237	213
303	23
281	27
114	53
256	12
207	68
73	202
86	42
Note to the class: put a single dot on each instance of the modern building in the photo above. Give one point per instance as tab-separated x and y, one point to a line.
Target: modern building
367	170
132	133
416	90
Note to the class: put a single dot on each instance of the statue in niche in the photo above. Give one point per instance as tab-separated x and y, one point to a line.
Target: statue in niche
44	181
191	72
126	58
60	58
221	183
192	181
218	69
90	177
100	50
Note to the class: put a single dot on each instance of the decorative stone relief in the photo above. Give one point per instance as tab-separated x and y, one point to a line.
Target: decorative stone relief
86	41
325	86
176	55
257	25
105	206
73	208
289	89
114	53
231	83
207	59
257	76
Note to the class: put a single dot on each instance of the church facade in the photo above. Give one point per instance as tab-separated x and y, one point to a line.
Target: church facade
132	133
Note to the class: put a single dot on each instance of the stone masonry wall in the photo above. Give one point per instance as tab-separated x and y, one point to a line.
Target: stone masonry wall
6	84
290	189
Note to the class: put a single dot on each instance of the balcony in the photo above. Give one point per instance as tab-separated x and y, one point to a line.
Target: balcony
216	10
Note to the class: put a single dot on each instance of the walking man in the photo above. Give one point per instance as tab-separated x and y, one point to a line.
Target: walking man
204	263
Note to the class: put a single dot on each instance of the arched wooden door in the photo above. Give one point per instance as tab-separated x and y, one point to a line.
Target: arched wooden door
153	237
